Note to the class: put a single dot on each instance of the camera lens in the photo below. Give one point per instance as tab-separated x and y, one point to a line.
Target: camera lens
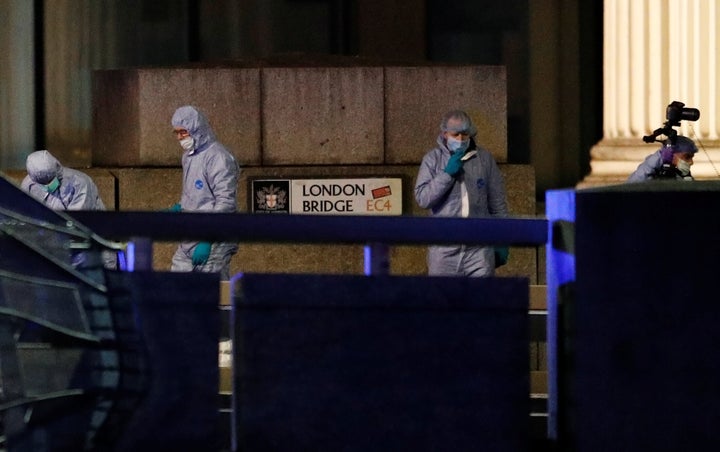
690	114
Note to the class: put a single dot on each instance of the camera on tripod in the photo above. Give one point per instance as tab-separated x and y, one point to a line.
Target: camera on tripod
674	113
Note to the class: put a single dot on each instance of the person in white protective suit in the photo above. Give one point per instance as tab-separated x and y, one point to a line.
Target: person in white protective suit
210	179
62	188
458	178
58	187
670	162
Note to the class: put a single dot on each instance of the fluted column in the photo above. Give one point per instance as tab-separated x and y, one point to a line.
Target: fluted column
656	52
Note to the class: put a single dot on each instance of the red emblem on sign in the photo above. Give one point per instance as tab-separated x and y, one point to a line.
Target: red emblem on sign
381	192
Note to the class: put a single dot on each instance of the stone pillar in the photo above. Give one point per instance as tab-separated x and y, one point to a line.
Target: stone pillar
17	91
657	52
81	36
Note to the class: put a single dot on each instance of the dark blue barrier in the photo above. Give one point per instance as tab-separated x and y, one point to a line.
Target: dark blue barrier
254	228
641	331
144	378
375	232
92	359
560	209
359	363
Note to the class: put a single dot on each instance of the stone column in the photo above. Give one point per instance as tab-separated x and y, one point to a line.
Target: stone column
17	90
657	52
81	36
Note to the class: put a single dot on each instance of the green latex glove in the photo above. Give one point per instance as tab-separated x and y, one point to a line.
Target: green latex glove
502	253
455	164
175	208
201	253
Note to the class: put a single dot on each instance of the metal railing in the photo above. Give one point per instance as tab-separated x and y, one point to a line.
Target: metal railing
377	233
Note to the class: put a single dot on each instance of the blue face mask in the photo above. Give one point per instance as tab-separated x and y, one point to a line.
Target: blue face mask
53	185
456	145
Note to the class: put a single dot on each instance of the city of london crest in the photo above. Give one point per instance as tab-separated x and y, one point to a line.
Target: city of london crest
271	198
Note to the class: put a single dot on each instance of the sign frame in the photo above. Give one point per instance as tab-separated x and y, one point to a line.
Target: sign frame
340	196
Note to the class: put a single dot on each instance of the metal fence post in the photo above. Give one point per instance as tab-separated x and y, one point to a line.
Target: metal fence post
140	254
377	259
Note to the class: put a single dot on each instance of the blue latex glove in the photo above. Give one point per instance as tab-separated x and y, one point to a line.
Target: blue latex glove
455	164
666	153
201	253
175	208
502	253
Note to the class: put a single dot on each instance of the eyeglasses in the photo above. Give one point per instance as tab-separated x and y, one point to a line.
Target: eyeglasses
180	132
458	134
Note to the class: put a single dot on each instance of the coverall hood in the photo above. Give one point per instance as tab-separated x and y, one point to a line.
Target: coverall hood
197	125
42	167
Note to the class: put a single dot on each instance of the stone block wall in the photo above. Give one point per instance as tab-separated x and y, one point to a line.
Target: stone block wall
315	116
416	98
288	115
132	110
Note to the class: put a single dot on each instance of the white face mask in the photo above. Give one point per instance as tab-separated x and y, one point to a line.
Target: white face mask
683	167
188	143
456	145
